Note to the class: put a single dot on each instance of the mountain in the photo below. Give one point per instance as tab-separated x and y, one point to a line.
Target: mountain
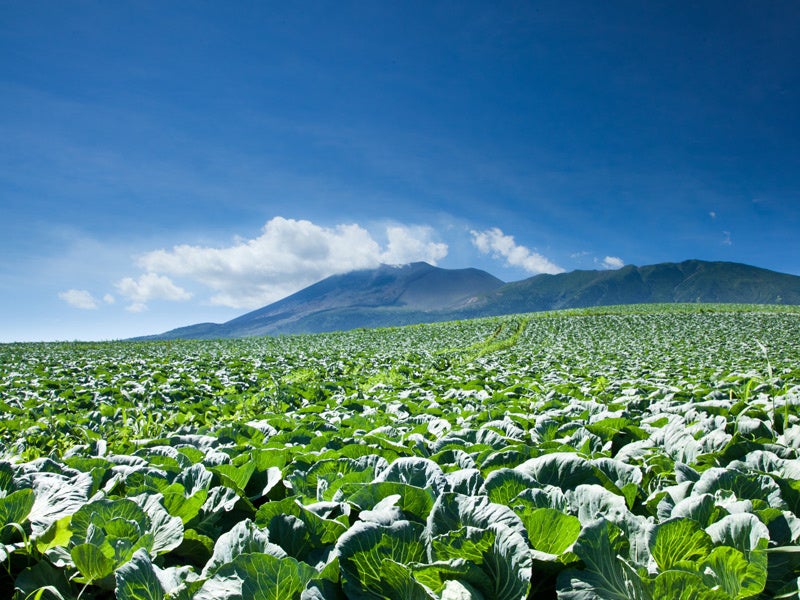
688	281
387	295
419	292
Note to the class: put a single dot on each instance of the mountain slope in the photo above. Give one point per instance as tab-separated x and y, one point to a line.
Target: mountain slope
419	292
688	281
388	295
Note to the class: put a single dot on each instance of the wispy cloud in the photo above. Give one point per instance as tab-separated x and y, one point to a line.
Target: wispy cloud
287	256
495	242
726	238
79	299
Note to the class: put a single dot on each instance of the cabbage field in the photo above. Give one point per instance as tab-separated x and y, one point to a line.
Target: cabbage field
642	452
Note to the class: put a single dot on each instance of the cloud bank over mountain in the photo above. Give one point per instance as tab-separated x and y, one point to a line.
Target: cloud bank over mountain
288	255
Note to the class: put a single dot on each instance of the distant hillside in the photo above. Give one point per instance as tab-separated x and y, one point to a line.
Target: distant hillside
419	292
688	281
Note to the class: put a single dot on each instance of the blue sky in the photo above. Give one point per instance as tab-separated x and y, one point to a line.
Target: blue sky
167	163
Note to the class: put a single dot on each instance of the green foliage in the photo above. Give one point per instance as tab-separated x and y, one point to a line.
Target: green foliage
369	554
679	543
607	573
550	531
628	452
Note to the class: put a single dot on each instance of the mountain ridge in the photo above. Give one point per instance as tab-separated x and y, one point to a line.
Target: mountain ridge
393	295
409	289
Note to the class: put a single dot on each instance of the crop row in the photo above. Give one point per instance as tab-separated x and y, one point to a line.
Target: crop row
631	453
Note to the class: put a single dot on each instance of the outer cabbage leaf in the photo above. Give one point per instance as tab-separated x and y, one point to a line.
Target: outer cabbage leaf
748	486
467	481
619	472
194	479
593	501
498	557
677	542
364	548
454	511
6	478
562	469
179	504
384	512
550	531
323	478
91	562
14	509
136	579
460	590
606	576
57	496
245	538
548	496
16	506
467	544
222	510
140	579
300	532
741	531
235	477
729	570
257	577
435	575
415	502
167	530
702	508
57	535
684	585
503	485
399	582
416	471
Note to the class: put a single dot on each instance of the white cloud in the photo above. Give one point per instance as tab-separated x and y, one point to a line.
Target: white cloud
149	286
410	244
726	238
287	256
612	262
712	214
79	299
494	241
109	299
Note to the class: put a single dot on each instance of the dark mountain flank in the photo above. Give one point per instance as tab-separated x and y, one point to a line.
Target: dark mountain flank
388	295
689	281
419	292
